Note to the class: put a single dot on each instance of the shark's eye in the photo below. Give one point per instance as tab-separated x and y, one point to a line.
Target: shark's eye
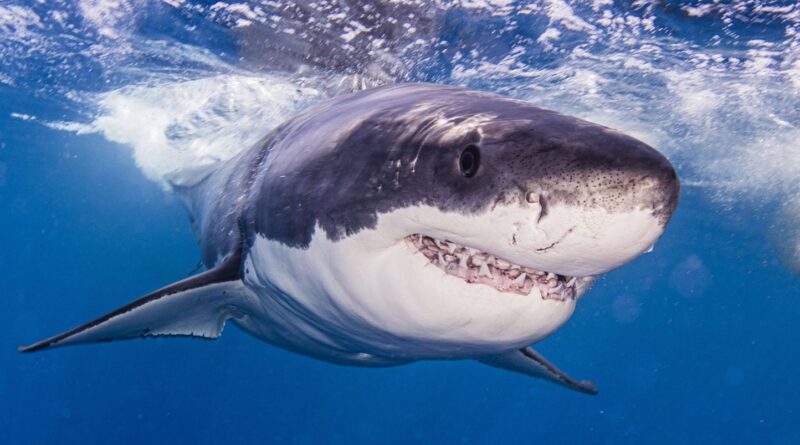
469	161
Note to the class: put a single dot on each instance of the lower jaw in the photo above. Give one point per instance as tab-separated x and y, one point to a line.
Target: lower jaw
482	268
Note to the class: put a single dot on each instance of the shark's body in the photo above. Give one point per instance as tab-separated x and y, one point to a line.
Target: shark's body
409	222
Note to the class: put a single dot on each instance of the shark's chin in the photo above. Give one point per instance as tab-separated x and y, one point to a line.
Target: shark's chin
483	268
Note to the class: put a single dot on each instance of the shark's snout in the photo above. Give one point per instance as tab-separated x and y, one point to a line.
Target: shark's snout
596	198
637	177
665	190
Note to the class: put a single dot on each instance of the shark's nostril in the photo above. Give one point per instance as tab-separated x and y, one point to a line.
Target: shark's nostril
538	204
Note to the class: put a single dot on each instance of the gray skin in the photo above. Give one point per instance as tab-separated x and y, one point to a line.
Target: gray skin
336	165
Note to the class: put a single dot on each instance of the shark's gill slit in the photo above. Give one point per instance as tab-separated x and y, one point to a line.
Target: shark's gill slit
475	266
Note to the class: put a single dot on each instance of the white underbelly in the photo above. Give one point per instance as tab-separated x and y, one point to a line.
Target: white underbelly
302	304
274	316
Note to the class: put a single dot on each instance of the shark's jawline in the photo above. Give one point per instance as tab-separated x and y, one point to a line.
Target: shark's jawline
474	266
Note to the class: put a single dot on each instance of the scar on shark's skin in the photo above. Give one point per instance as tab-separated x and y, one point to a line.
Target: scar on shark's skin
556	242
403	223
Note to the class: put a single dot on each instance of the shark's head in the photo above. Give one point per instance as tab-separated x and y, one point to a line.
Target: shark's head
435	221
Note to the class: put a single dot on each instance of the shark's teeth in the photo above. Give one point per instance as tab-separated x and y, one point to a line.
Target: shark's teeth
474	266
502	264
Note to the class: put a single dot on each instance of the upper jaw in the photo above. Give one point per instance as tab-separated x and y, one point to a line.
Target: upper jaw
475	266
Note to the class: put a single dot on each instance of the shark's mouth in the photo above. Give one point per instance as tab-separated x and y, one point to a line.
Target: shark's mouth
474	266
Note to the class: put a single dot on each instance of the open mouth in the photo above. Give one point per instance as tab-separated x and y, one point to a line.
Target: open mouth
474	266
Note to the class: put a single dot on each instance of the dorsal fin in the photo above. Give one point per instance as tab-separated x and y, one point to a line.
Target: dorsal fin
197	306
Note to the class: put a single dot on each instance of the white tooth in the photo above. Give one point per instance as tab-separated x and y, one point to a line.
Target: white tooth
484	272
462	261
551	275
520	281
500	264
477	260
441	258
572	282
554	296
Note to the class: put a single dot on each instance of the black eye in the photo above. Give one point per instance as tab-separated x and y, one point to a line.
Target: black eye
469	161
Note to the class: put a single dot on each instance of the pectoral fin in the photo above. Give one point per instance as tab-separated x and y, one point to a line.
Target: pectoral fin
197	306
529	362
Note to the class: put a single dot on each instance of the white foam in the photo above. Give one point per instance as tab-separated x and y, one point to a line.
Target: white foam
23	116
177	125
18	22
698	11
548	35
561	12
109	17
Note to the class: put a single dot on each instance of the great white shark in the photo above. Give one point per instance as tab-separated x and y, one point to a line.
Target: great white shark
408	222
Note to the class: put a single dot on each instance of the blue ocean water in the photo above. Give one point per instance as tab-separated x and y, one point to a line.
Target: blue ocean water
692	343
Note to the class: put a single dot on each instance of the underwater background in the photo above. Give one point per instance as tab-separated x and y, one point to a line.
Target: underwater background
696	342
